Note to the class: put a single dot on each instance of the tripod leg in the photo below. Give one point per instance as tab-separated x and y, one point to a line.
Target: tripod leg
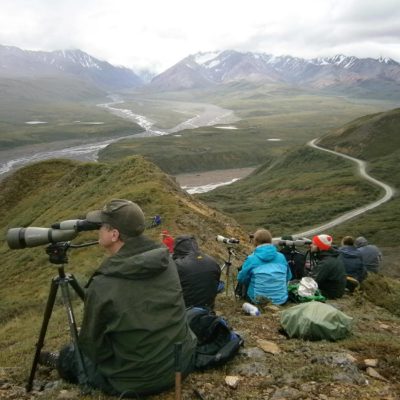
76	286
82	376
46	317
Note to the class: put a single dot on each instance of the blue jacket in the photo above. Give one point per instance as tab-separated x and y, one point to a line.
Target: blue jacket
266	273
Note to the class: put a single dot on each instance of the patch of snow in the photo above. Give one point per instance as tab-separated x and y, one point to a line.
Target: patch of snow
226	127
35	122
274	140
177	135
203	58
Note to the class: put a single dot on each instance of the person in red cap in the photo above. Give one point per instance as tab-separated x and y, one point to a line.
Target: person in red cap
327	269
168	240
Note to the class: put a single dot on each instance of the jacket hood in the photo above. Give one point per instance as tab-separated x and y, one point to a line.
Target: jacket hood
265	252
332	252
185	245
349	251
138	258
361	241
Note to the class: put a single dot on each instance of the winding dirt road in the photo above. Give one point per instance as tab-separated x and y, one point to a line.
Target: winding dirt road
389	192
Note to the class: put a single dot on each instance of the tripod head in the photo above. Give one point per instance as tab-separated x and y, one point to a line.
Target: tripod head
57	252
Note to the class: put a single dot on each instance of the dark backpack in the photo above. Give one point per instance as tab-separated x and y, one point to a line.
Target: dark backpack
216	342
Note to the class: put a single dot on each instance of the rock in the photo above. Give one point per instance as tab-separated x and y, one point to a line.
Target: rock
375	374
251	369
287	393
384	326
232	381
268	347
68	395
253	353
371	362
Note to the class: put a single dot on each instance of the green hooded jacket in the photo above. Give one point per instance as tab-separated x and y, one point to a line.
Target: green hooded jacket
134	313
329	273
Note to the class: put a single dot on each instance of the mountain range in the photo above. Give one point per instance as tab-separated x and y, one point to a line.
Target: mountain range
207	70
17	63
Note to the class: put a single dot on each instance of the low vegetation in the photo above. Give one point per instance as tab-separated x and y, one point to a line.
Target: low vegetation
47	192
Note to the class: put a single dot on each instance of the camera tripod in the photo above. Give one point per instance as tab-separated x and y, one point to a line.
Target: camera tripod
229	274
58	255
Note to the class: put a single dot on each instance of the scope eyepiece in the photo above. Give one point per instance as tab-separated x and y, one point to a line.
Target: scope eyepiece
78	225
225	240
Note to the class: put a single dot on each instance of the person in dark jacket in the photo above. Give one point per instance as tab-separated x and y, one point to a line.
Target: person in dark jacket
371	255
134	311
352	259
199	273
265	272
328	269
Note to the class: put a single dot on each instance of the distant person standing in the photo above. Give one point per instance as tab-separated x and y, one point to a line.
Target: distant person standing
168	240
371	255
199	273
327	269
265	272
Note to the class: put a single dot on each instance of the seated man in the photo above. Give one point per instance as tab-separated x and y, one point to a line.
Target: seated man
327	269
199	273
134	311
265	272
371	255
352	262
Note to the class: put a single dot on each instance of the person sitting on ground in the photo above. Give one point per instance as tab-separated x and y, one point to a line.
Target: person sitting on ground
168	240
199	273
133	314
371	255
327	269
295	259
265	272
352	262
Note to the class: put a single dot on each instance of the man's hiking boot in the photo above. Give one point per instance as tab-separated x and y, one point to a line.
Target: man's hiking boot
49	359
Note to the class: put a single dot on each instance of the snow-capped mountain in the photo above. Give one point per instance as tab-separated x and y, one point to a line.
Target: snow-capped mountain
15	62
208	69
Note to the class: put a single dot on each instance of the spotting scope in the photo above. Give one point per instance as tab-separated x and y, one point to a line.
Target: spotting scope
19	238
225	240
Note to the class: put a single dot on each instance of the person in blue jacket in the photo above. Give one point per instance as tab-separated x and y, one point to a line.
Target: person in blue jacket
265	272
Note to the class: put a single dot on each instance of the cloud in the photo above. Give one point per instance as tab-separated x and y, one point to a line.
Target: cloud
156	34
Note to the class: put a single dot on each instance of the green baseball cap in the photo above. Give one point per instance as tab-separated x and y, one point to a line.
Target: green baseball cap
124	215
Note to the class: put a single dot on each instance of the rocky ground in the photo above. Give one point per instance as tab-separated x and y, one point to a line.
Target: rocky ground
366	365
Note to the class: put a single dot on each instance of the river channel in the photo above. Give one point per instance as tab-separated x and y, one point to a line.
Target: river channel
12	159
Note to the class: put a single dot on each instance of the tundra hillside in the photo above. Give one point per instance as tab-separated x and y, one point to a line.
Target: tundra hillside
307	187
52	191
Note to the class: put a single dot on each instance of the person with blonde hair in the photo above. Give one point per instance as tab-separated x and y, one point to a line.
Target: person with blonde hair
265	272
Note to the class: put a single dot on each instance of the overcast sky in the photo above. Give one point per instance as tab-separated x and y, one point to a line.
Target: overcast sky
156	34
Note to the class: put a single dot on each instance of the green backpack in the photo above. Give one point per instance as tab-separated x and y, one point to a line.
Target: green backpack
315	321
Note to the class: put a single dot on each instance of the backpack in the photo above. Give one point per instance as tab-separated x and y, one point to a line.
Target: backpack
216	342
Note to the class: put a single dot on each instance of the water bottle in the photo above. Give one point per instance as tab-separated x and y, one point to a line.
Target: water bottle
250	309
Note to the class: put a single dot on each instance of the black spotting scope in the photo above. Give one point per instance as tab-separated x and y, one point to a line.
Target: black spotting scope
78	225
19	238
225	240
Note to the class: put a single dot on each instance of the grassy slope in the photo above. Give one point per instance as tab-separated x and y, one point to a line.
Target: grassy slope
309	187
51	191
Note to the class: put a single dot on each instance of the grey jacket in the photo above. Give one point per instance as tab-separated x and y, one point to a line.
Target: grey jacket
371	255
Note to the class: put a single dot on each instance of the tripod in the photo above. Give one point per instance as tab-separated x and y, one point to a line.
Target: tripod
229	275
58	255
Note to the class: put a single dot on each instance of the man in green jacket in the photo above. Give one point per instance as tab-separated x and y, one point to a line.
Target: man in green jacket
327	270
134	311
